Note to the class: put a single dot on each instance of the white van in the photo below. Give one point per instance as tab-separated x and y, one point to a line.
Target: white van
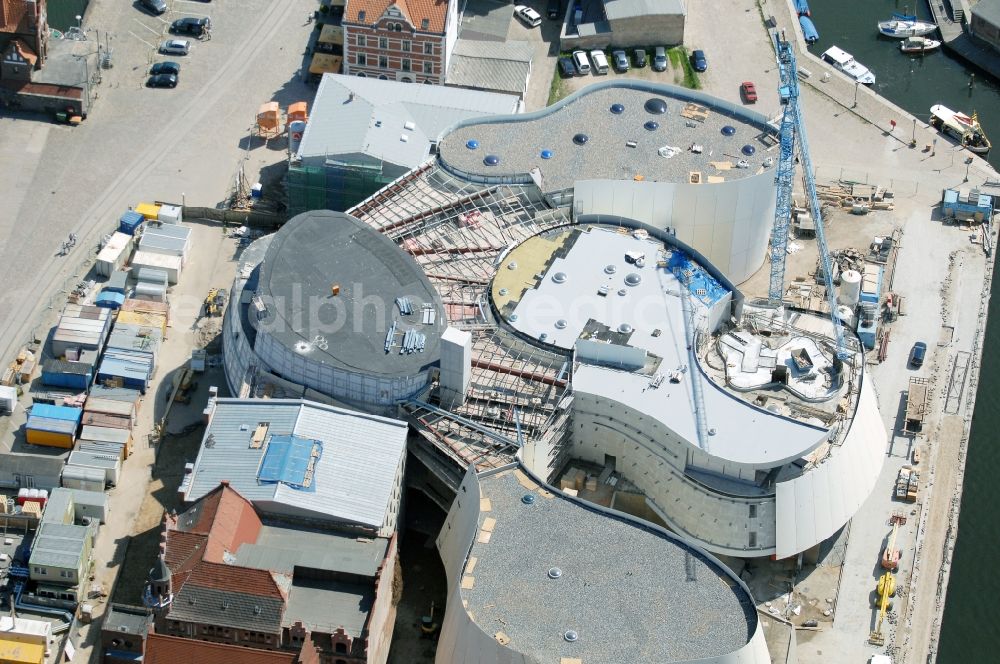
581	62
600	61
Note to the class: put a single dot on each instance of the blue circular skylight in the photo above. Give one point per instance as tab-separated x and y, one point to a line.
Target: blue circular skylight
472	144
547	154
748	150
652	125
728	130
491	160
656	106
580	139
617	109
528	499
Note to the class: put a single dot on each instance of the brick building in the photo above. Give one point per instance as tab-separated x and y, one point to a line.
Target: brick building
400	40
24	38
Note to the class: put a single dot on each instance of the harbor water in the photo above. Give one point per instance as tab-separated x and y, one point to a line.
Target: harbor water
62	13
971	628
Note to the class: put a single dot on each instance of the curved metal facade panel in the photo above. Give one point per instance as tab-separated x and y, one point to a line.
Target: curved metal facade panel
813	506
727	222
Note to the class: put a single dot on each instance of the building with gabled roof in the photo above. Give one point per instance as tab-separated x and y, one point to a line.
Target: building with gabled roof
400	40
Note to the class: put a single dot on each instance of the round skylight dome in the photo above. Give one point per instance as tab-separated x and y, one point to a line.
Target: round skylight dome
655	106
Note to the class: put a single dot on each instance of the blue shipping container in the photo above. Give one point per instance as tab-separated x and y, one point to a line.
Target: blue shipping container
56	412
130	221
71	380
110	299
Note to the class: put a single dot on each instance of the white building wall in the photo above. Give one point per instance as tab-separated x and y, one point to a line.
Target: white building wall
728	222
456	365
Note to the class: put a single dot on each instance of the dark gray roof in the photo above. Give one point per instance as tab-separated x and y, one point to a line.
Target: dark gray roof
518	140
620	9
59	545
127	619
281	549
227	609
632	593
499	66
315	250
64	64
988	10
326	605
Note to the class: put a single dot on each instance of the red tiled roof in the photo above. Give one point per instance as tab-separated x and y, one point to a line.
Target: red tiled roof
184	549
11	13
243	580
226	518
435	11
163	649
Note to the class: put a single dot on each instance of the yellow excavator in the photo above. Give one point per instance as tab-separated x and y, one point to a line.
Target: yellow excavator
890	557
886	588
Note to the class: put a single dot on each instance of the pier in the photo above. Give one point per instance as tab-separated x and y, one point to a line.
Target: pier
950	16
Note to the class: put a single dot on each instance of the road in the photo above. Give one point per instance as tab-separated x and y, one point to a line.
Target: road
138	143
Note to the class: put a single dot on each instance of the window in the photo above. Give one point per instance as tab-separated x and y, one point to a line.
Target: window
406	64
428	67
383	43
753	511
362	59
406	46
362	40
428	48
425	23
383	62
383	77
361	16
340	648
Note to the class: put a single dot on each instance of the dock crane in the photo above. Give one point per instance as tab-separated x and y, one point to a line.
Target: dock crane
886	588
792	124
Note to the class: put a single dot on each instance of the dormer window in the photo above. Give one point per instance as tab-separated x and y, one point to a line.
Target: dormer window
425	23
361	15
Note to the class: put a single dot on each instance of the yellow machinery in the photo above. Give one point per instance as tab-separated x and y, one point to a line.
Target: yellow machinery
886	588
210	307
890	557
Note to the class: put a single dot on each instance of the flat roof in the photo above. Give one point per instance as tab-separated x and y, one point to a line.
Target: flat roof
281	549
691	118
630	592
353	481
58	545
641	310
315	250
326	605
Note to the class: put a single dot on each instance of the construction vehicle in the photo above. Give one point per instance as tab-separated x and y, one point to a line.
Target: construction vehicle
890	557
215	302
885	589
792	125
184	385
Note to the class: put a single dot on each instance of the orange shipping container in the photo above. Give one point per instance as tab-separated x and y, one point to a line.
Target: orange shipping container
49	438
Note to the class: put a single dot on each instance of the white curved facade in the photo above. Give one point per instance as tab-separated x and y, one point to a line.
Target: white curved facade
728	222
463	640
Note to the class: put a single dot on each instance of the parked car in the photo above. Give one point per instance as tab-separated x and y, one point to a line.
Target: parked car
600	61
640	57
554	9
155	6
162	81
190	25
917	354
698	60
165	67
660	59
581	62
175	47
620	60
749	92
566	67
528	16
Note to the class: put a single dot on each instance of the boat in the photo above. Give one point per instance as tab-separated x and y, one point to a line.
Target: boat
919	45
802	7
808	30
846	63
901	26
960	126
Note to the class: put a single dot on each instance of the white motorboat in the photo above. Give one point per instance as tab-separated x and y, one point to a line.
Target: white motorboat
901	26
919	45
846	63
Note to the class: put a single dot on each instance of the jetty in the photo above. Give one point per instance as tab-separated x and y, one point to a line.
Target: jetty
951	17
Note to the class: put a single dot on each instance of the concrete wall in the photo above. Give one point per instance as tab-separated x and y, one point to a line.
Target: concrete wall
728	222
984	30
654	30
383	614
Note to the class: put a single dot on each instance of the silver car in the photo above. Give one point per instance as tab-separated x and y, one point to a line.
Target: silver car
175	47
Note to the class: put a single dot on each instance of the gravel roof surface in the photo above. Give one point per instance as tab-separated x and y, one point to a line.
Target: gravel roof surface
630	594
519	141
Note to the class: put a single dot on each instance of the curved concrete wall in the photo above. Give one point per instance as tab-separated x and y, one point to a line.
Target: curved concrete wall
727	222
463	641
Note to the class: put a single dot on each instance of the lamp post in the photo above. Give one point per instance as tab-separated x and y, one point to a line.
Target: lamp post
968	162
857	84
79	22
913	139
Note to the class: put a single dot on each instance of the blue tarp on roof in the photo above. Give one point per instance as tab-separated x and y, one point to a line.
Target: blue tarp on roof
56	412
110	299
289	459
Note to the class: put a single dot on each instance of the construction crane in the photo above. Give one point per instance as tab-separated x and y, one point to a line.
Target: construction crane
886	588
890	557
792	124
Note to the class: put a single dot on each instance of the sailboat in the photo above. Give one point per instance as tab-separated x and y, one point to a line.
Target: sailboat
901	26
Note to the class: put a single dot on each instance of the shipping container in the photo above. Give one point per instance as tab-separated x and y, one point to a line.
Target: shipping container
91	504
84	479
150	275
123	394
109	299
81	327
150	292
171	264
92	419
47	438
148	210
109	463
117	282
59	373
119	408
120	450
160	309
151	319
170	214
125	369
114	254
129	222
